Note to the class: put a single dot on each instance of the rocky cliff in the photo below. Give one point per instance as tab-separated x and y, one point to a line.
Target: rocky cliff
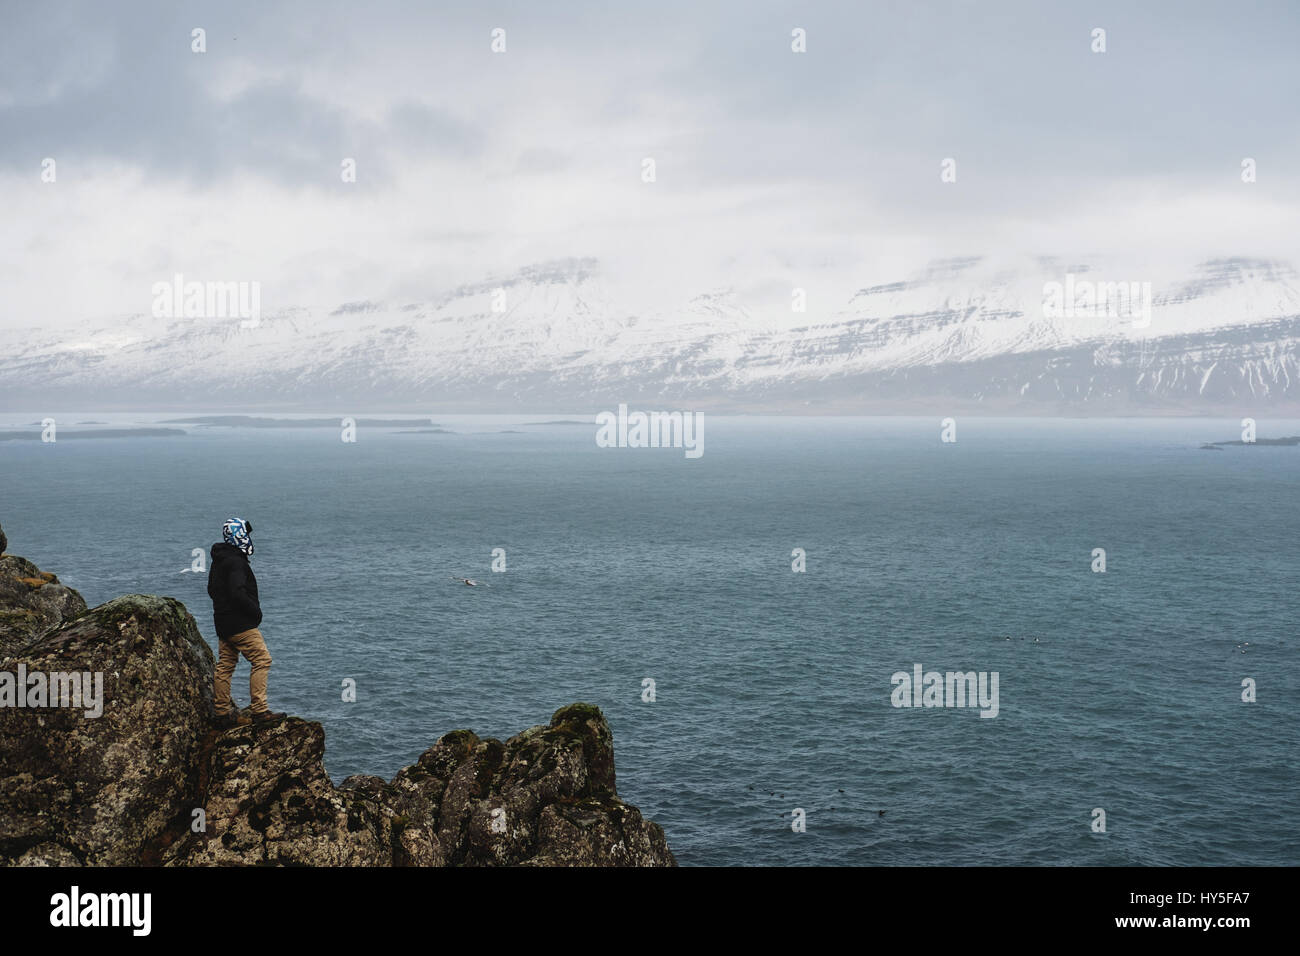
151	781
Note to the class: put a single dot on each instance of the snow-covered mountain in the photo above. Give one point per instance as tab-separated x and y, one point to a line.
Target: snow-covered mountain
961	336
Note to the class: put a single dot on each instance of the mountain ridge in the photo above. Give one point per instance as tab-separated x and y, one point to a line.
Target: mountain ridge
964	335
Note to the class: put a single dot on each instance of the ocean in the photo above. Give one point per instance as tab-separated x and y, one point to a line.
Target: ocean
774	690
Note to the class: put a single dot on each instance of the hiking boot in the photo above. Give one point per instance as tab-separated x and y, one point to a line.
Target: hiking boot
266	715
227	720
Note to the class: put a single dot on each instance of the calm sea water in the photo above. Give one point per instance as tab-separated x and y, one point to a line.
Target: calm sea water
1119	691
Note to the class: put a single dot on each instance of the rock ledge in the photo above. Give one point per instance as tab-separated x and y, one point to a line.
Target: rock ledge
152	782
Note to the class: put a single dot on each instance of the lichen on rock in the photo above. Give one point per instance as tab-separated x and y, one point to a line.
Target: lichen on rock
31	601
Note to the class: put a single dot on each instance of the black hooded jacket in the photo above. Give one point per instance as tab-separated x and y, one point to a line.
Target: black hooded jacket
233	590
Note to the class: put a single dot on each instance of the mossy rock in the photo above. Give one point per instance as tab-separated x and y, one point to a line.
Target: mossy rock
577	712
465	740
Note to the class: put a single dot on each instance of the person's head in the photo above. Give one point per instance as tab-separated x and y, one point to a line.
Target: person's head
236	532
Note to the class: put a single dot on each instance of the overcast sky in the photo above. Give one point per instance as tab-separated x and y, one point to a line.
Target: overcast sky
772	167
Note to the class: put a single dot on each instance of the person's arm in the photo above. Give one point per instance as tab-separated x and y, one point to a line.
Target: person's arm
237	585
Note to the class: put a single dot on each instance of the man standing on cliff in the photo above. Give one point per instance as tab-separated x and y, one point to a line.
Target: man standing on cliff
236	612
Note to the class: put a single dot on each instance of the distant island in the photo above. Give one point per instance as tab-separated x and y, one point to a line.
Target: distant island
63	435
1289	440
252	421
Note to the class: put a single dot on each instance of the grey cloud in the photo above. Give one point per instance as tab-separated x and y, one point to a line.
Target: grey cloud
149	102
884	90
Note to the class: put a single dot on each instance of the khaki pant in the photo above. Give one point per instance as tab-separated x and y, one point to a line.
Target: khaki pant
253	647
